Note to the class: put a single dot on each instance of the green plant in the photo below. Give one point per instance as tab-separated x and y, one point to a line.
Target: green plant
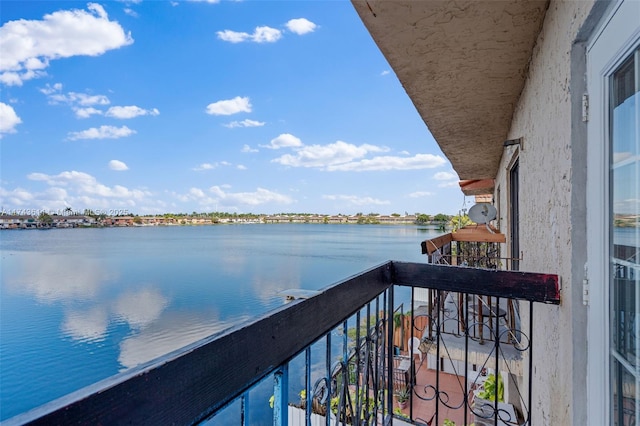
397	319
403	395
334	404
398	413
489	391
448	422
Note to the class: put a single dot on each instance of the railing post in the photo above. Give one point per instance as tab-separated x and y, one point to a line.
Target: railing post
307	386
389	358
530	397
244	409
358	406
328	378
497	373
281	396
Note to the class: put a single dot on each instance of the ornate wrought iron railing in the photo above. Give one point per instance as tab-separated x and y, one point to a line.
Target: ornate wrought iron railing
333	358
446	250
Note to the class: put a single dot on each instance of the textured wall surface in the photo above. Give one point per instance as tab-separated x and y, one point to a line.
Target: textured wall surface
543	119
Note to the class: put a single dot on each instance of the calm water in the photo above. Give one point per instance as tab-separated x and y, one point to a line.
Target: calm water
80	305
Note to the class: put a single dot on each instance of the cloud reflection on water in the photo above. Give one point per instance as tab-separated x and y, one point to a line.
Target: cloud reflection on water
54	278
140	308
172	331
86	325
79	285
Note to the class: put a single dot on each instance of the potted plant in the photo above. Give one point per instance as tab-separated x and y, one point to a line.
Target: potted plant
489	392
402	396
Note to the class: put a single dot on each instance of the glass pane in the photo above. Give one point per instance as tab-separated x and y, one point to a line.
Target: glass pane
625	237
625	396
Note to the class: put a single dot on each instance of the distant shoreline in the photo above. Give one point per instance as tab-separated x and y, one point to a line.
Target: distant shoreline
44	228
45	221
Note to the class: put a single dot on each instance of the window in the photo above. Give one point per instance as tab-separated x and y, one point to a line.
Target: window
514	216
624	221
613	218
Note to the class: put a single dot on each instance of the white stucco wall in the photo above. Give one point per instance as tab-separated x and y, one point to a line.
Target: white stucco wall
543	119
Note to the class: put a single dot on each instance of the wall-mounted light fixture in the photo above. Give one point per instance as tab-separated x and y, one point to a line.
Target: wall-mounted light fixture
510	142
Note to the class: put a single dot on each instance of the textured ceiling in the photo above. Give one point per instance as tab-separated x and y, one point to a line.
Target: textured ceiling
463	64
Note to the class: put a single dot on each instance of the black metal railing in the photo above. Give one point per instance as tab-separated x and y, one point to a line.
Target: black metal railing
483	310
334	358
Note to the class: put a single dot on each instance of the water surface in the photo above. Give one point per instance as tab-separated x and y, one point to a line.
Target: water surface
80	305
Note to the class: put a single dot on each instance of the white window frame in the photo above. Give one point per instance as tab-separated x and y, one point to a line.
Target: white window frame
617	36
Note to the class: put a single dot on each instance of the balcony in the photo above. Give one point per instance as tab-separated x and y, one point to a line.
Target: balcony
341	355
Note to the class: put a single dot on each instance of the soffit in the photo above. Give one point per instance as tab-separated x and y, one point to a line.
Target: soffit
463	64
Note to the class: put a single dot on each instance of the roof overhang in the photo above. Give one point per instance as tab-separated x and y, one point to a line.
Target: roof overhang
477	186
463	64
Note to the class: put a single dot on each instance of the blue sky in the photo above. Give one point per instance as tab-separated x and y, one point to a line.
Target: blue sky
238	106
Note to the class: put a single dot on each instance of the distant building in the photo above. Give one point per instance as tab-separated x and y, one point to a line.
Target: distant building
17	222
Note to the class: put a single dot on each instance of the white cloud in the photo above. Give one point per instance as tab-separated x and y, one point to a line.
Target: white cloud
258	197
420	194
102	132
82	104
130	111
445	176
205	166
245	123
16	197
326	156
285	140
342	156
80	191
241	167
210	166
204	1
8	119
117	165
447	179
131	12
229	106
301	26
451	184
84	99
49	89
219	196
84	184
247	148
55	95
197	193
262	34
233	36
87	112
385	163
356	200
385	72
266	35
27	46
